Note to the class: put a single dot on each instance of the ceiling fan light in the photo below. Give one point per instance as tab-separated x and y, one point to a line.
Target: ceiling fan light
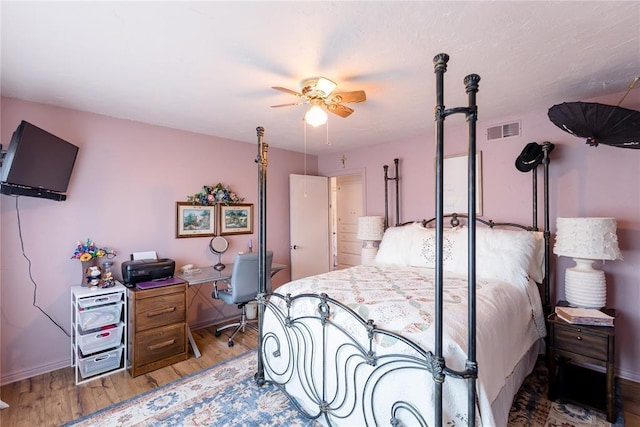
326	86
315	116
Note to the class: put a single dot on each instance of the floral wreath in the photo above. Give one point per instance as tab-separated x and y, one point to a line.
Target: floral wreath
211	195
89	250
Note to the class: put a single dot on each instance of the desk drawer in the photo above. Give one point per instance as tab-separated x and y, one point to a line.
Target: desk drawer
160	311
161	343
578	341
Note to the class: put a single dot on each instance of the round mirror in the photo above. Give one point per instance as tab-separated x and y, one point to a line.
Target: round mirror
218	246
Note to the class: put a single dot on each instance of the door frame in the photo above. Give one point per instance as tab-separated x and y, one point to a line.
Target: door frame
331	175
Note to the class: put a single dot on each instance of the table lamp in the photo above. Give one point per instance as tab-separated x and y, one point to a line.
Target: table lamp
370	230
586	240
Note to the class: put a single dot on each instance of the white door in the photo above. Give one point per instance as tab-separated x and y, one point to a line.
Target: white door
309	225
348	209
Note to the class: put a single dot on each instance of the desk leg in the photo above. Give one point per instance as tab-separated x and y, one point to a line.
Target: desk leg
194	346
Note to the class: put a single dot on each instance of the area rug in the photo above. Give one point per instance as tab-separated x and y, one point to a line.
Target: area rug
226	395
532	408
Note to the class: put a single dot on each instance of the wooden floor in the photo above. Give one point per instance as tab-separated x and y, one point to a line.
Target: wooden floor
52	399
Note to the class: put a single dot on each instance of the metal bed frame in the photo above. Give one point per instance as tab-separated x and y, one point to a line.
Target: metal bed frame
325	371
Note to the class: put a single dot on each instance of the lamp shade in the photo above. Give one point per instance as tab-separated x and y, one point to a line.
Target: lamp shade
370	228
587	238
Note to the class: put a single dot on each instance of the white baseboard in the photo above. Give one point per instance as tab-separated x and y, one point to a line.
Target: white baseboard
11	377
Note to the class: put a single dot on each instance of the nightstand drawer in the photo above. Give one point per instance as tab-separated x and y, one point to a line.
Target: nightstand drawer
160	343
578	341
159	311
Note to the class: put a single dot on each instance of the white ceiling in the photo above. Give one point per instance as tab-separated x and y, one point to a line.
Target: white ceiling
208	67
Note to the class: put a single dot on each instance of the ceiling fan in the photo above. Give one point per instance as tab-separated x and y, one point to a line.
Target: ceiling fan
319	93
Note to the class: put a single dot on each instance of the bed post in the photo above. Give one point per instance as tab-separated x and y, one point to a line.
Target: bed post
440	62
386	194
534	193
546	149
471	84
438	363
262	242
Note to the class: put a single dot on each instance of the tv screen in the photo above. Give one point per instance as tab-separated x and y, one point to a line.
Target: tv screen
38	160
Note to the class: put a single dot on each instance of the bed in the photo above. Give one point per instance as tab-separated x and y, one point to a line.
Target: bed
440	330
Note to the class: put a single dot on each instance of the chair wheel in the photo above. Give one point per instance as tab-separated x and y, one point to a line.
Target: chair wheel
230	343
217	333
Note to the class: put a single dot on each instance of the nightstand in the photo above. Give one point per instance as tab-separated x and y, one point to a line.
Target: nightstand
573	351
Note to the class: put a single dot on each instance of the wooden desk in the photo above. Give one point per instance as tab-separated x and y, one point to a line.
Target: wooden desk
208	274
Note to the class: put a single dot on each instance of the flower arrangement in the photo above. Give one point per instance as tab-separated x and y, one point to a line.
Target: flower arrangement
88	250
210	195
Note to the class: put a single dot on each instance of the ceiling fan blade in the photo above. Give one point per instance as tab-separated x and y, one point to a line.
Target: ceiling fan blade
355	96
289	91
340	110
290	104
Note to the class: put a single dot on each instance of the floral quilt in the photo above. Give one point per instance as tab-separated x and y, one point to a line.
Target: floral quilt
402	300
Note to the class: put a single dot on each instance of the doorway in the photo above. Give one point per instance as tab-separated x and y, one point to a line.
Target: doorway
346	206
333	206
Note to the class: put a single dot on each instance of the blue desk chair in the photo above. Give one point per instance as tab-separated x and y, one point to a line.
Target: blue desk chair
243	288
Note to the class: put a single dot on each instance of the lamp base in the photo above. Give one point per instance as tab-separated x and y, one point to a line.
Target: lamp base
584	286
369	252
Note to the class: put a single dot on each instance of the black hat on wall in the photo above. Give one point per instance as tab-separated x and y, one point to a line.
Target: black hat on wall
531	156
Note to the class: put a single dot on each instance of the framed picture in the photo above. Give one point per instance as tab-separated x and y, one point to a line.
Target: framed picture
456	184
195	220
236	219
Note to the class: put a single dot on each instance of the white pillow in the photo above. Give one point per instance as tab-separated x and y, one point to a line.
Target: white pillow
536	268
423	252
395	245
502	255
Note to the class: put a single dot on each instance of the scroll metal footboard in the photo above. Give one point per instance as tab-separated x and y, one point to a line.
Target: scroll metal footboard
340	368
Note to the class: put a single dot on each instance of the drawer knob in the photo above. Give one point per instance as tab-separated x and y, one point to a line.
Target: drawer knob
579	338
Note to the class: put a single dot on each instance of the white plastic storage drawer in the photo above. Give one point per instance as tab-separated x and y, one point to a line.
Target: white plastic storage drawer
102	339
100	363
100	300
96	317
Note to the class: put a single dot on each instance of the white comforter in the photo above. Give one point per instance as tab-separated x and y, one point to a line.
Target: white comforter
401	300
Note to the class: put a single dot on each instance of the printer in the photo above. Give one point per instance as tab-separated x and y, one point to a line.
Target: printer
146	270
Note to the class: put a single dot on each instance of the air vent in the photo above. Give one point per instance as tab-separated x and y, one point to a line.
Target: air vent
506	130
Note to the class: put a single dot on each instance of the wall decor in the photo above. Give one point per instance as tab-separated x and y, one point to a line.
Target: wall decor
236	219
195	220
214	194
456	185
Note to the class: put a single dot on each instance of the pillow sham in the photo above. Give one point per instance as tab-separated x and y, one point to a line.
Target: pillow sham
423	243
504	255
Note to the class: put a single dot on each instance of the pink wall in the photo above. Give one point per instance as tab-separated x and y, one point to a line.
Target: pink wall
123	193
129	176
585	181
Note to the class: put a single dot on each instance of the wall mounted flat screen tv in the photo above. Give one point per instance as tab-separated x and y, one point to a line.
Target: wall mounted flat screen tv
37	163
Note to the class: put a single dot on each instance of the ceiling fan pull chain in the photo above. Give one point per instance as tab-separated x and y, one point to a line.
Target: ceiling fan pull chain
327	125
